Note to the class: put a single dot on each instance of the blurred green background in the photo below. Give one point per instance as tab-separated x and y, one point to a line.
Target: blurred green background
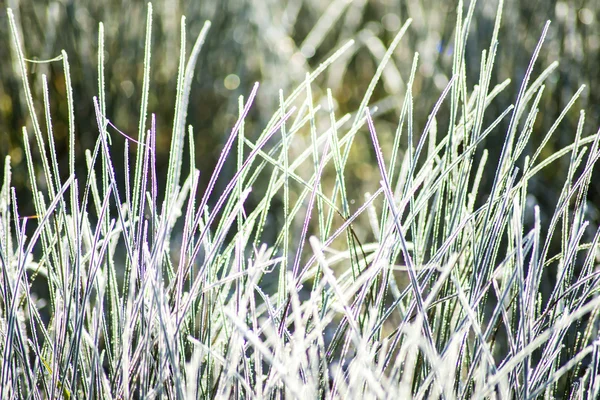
276	42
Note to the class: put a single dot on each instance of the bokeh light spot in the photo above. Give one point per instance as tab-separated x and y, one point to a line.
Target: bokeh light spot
391	22
231	82
586	16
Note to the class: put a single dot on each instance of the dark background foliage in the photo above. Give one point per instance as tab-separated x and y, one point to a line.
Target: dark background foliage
274	42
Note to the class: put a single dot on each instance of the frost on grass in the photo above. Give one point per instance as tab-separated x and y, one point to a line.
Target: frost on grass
173	289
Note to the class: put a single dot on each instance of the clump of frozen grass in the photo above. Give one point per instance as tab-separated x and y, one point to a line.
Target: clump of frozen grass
445	301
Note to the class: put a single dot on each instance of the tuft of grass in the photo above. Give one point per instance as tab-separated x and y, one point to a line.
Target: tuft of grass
159	291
